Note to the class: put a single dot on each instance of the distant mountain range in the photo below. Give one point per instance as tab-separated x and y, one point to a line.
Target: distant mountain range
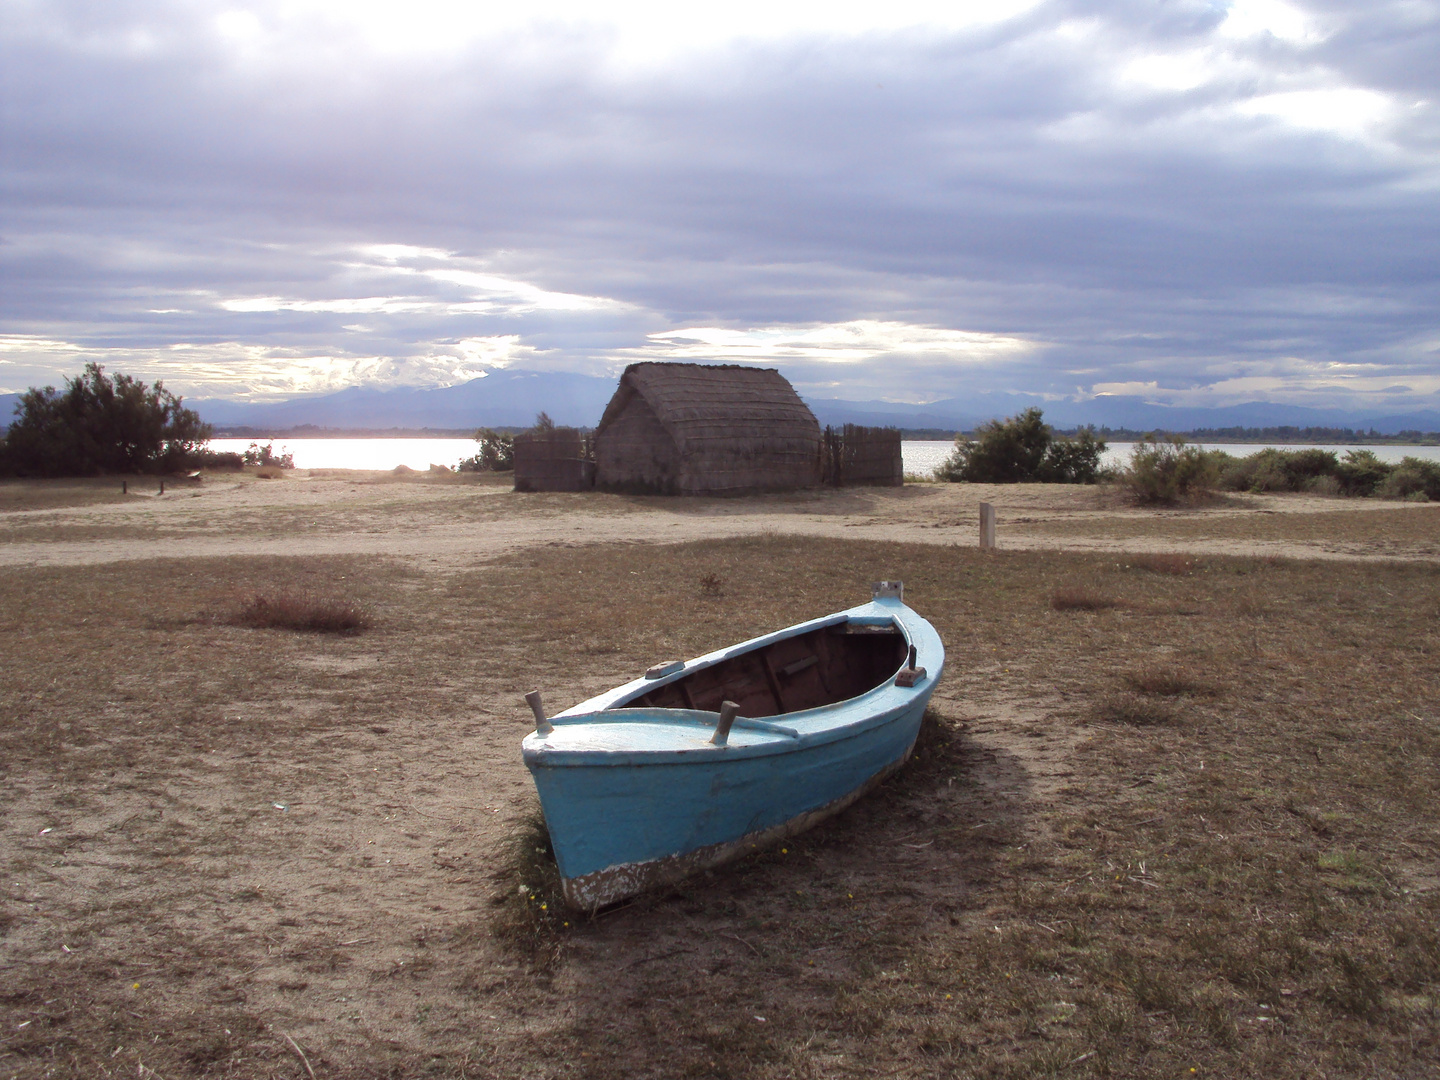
1134	413
500	399
513	398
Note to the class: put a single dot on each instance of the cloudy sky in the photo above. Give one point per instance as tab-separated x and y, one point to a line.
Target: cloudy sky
1198	203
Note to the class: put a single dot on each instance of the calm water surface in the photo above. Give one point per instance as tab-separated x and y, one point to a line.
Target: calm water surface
361	453
921	457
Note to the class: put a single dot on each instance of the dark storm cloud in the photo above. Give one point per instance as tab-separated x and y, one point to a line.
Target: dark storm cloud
1147	200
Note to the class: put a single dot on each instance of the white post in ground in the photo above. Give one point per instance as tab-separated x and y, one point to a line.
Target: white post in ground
987	526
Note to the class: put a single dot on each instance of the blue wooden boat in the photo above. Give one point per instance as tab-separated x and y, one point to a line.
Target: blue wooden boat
700	761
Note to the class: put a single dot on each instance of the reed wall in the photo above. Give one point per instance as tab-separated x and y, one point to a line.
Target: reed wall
553	460
855	456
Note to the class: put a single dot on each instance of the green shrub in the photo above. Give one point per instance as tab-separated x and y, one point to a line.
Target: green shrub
1362	472
1166	473
1277	470
1073	460
1414	478
1323	485
265	455
496	453
1024	449
1303	466
100	425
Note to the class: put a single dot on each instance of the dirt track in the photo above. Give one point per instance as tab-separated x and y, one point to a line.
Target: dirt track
459	520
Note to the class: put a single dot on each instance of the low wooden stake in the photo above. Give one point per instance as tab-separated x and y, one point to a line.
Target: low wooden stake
542	725
728	709
124	487
987	526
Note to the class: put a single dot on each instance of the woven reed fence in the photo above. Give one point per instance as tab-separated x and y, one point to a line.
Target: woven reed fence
855	455
557	459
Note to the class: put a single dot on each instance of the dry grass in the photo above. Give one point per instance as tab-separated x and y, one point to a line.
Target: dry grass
1163	563
23	495
1246	889
1353	523
302	611
1135	709
530	915
1166	681
1071	598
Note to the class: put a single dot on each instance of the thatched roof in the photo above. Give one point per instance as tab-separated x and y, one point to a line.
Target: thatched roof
709	403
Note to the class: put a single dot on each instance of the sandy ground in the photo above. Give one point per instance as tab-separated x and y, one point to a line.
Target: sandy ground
301	841
458	521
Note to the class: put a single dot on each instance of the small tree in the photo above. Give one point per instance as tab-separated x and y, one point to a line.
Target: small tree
495	453
1073	460
1024	448
100	424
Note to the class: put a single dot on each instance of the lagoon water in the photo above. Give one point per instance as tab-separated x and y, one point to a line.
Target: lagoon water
417	454
921	457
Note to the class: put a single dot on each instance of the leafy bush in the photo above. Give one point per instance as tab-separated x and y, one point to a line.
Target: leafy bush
1414	478
1073	460
100	425
1319	472
496	453
1277	470
1023	449
265	455
1166	473
1362	472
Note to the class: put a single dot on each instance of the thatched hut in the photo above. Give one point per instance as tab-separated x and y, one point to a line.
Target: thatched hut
692	429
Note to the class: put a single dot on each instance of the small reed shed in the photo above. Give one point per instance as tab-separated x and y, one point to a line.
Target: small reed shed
857	455
701	429
553	459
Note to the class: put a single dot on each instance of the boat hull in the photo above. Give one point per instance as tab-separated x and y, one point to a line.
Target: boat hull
638	793
619	832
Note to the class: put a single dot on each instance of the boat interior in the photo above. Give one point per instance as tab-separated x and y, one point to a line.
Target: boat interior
802	672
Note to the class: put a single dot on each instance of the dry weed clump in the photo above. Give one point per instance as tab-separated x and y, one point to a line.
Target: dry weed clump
530	915
712	586
302	611
1072	598
1134	709
1162	681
